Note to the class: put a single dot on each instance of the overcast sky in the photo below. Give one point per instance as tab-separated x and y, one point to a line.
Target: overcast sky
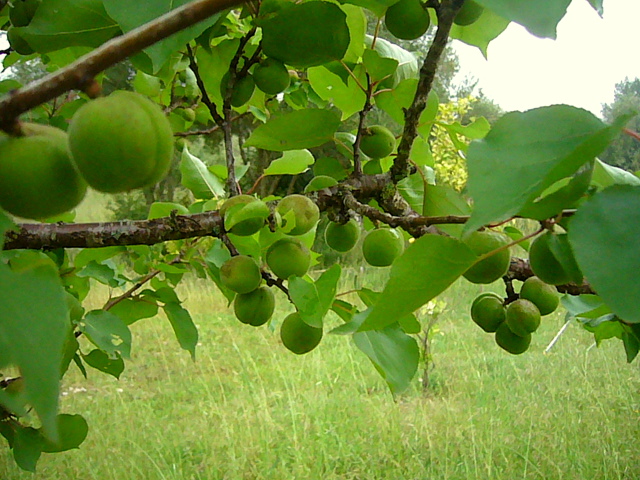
580	67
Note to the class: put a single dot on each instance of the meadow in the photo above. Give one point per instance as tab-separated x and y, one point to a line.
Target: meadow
249	409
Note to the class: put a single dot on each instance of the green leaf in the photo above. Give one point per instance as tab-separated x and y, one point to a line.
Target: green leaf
313	300
357	23
407	62
27	447
99	255
525	153
475	130
101	361
394	354
597	6
101	272
631	344
197	177
107	332
480	33
378	67
214	64
540	20
183	327
295	130
34	317
130	15
584	306
292	162
604	236
349	98
394	101
427	268
307	34
130	310
73	431
605	175
165	209
84	23
441	201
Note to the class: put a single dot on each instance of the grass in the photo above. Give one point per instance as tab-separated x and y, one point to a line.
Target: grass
249	409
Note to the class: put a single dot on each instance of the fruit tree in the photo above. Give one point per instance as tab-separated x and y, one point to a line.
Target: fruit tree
303	75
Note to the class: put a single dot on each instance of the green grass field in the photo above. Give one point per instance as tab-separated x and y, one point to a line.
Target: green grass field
249	409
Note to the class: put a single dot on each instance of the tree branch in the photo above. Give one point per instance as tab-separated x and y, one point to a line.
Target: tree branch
79	75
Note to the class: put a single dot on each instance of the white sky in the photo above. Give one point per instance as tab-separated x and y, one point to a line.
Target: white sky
581	67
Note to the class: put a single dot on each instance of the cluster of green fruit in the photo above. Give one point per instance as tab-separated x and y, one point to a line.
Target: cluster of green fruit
113	144
409	19
254	303
514	324
271	76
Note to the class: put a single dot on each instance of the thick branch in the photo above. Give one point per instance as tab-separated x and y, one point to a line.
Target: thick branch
80	74
446	13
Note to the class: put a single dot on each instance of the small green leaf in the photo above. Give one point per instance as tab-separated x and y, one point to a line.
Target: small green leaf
165	209
101	272
101	361
183	327
197	177
540	20
394	354
27	448
357	23
482	32
604	236
348	97
107	332
307	34
73	430
378	67
304	295
605	175
631	343
130	310
292	162
407	62
99	255
430	265
295	130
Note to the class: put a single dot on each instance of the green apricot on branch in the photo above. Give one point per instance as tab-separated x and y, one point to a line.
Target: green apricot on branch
509	341
342	237
523	317
37	176
305	214
382	246
469	13
377	141
271	76
240	274
541	294
241	91
287	257
546	265
298	336
121	142
246	227
491	268
488	311
407	19
256	307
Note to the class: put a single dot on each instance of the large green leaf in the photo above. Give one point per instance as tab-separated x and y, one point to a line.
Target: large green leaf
197	177
604	236
480	33
394	354
292	162
525	153
64	23
33	330
539	19
73	430
295	130
306	34
349	98
107	332
407	62
130	15
430	265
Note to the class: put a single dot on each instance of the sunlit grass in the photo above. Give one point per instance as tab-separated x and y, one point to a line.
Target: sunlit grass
249	409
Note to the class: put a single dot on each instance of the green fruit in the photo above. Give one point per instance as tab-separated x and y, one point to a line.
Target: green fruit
246	227
342	237
488	311
407	19
377	141
188	114
305	213
271	76
319	182
18	43
240	274
469	13
523	317
242	90
255	308
23	12
492	268
121	142
541	294
37	177
382	246
287	257
372	167
509	341
545	265
298	336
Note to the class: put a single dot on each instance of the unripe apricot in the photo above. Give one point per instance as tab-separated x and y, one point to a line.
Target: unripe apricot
271	76
377	141
509	341
342	237
469	13
240	274
298	336
245	227
287	257
305	212
543	295
491	268
37	177
256	307
488	311
382	246
121	142
407	19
